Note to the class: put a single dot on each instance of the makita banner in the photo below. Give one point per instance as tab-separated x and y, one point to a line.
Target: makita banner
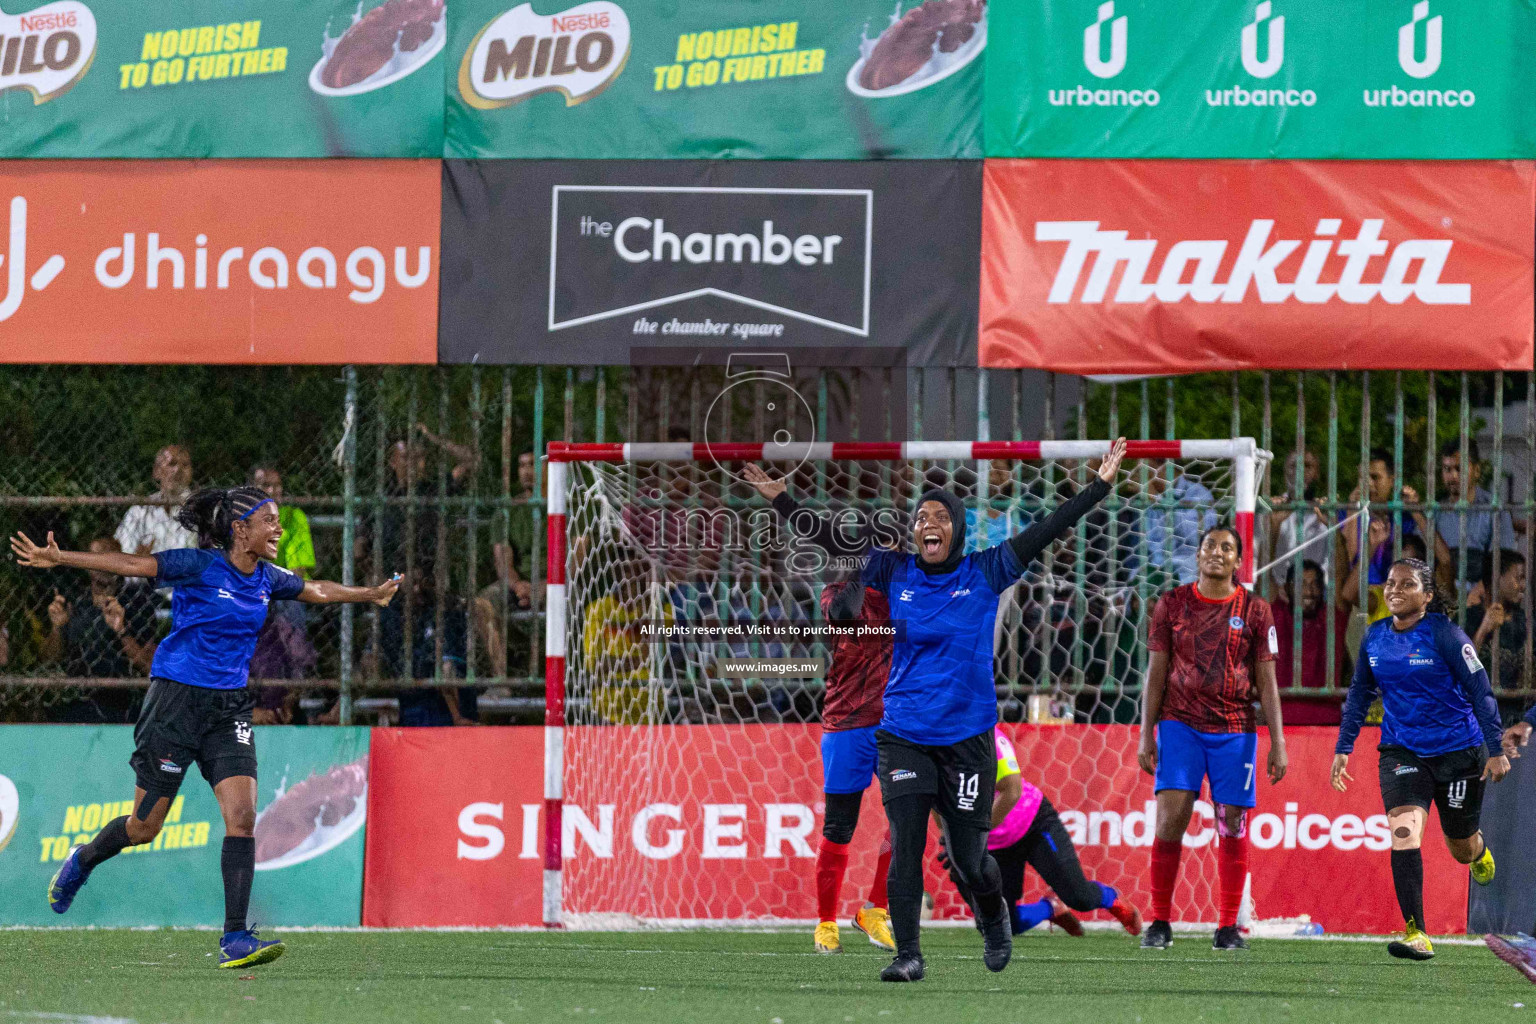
722	822
588	261
219	261
1176	266
1388	79
783	79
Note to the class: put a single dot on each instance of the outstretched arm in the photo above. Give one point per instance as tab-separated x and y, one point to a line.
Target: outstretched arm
820	532
49	556
1028	545
327	592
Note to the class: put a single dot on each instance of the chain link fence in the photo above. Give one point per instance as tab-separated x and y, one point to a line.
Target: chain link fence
432	472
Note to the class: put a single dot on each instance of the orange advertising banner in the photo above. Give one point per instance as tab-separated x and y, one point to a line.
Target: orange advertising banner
1179	266
240	261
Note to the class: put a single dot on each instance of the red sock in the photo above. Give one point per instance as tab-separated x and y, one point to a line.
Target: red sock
882	869
1165	874
1232	868
831	862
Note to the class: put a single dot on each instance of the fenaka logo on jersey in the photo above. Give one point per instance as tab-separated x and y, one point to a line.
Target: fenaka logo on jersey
578	53
1191	269
621	249
48	49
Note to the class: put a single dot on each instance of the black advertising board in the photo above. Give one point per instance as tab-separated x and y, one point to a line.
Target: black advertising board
584	261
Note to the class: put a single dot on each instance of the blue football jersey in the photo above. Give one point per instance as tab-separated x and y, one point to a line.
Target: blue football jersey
940	690
216	612
1435	694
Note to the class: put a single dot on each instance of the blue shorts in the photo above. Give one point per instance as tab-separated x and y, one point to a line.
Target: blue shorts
1186	756
848	760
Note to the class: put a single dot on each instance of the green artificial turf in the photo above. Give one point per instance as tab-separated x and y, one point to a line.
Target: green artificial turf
766	978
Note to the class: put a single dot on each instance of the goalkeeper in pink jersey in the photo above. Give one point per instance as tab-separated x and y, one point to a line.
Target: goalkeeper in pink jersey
850	713
1026	830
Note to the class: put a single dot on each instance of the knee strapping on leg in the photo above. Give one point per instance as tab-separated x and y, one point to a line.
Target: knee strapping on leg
1224	827
842	817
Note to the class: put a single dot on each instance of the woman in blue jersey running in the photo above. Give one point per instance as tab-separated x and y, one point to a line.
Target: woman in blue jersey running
934	744
1440	737
198	709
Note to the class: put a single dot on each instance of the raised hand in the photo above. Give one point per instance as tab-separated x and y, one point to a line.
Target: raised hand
386	591
766	485
1111	462
32	556
58	611
112	614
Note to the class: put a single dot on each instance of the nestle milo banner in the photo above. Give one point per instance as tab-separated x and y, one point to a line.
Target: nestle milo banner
222	78
59	784
1387	79
731	78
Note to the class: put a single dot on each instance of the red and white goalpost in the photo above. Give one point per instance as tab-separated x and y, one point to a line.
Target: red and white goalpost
673	794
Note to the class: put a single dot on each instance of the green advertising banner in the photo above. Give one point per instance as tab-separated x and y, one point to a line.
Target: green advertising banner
1385	79
223	78
60	783
782	79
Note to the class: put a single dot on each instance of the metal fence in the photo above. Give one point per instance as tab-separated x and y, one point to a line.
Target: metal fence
430	471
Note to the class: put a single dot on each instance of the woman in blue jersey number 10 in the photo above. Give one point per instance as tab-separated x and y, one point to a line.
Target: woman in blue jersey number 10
1440	737
934	745
198	709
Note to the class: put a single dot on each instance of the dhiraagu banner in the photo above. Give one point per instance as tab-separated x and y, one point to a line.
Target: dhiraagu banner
60	783
223	78
642	79
1383	79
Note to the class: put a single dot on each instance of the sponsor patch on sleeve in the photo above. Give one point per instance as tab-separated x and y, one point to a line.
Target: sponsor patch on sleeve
1469	655
1274	642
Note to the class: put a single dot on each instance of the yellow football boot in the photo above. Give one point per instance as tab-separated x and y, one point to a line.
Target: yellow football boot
827	940
875	922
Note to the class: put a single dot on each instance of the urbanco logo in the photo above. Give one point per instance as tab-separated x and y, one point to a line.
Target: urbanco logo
1406	47
1271	63
578	52
1092	45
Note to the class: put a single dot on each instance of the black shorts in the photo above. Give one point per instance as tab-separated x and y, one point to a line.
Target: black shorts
1452	782
181	724
961	776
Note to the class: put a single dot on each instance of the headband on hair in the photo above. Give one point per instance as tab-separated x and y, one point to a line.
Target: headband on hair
241	519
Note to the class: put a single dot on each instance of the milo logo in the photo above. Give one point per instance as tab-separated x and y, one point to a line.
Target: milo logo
47	50
577	52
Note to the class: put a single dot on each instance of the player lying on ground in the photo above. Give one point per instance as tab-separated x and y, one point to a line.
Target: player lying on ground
1026	830
935	738
198	709
1213	650
1440	737
850	714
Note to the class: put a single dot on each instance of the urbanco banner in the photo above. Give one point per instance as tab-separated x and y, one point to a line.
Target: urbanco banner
1183	266
785	79
585	261
220	261
59	784
707	830
223	78
1389	79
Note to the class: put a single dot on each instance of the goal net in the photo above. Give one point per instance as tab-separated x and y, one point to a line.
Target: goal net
686	649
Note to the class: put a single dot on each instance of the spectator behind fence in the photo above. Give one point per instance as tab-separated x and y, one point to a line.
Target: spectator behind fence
283	647
1177	513
152	528
1380	546
522	521
495	601
1296	709
1303	530
1500	612
1482	531
441	704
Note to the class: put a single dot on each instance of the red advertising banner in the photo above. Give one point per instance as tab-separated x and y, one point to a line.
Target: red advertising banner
1179	266
456	836
222	261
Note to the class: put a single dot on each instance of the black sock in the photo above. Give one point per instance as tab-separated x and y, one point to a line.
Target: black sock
1408	880
109	842
989	894
239	864
906	918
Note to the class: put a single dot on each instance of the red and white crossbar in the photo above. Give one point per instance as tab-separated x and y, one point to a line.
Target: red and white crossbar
1243	452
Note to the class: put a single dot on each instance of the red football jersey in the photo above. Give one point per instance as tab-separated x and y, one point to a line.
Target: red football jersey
1213	648
856	679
